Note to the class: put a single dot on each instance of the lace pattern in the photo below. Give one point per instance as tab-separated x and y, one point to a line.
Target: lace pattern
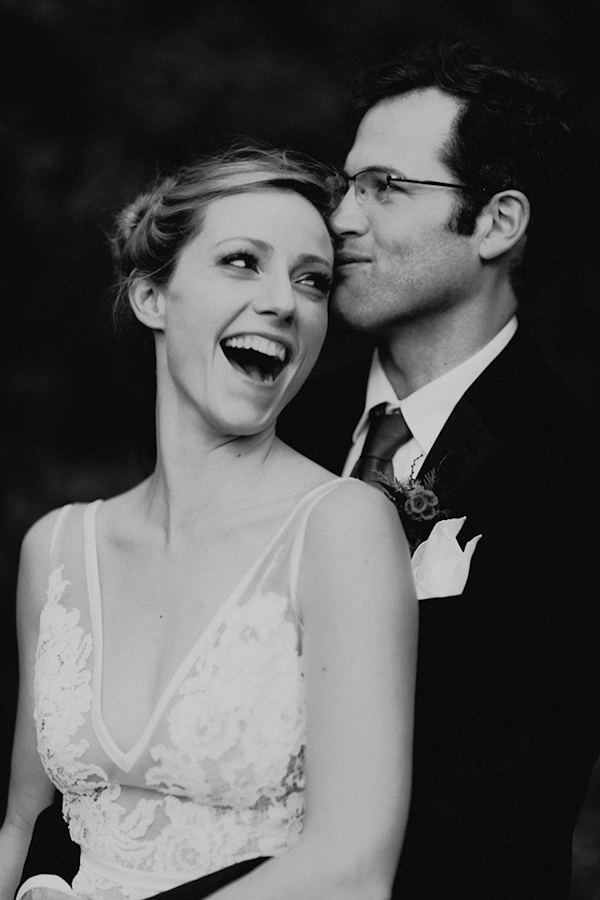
221	778
62	654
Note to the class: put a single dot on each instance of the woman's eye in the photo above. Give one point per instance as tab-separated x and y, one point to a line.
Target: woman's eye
241	259
321	281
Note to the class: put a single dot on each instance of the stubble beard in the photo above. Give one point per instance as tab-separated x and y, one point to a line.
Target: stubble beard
377	310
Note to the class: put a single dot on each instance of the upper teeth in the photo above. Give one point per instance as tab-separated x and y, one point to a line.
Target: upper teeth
260	344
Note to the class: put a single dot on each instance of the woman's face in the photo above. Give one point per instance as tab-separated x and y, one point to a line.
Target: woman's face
245	311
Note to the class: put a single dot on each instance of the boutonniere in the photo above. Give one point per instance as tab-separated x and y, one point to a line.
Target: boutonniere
421	503
440	565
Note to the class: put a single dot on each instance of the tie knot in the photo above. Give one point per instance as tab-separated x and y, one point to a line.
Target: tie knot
387	432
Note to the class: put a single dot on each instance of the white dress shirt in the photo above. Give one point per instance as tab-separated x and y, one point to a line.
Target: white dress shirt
427	410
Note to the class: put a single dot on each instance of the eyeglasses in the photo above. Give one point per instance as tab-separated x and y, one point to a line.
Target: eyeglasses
375	185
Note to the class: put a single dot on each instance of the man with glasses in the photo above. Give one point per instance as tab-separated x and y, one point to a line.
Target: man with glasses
456	164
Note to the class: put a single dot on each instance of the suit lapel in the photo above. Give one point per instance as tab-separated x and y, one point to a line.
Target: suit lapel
464	444
485	417
481	418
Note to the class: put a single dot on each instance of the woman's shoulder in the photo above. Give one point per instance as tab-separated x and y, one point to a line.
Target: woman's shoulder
37	560
350	511
300	470
50	536
331	493
39	537
354	495
353	543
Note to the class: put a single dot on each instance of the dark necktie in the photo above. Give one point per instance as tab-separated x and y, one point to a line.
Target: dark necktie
387	432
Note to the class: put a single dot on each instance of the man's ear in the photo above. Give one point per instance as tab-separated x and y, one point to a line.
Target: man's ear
502	223
148	303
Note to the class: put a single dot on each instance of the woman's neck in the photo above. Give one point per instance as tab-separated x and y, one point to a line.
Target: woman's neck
199	476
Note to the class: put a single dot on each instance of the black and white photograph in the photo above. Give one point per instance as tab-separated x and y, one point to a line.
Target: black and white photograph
299	446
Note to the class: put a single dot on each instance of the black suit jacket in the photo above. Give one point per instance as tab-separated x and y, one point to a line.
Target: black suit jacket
508	689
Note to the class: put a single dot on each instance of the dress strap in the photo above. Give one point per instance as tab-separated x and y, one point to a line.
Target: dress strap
310	501
56	531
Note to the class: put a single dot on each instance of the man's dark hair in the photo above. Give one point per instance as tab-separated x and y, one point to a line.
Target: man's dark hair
512	130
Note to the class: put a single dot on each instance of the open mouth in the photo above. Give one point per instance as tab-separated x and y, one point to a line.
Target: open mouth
258	357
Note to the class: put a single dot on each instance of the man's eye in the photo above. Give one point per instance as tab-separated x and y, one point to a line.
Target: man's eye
380	184
371	184
241	259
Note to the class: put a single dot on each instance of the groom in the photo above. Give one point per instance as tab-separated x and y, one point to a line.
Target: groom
457	168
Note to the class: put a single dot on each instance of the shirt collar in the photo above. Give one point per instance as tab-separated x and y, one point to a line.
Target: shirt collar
427	409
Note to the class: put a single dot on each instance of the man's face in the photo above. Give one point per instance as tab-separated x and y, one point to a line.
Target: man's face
399	259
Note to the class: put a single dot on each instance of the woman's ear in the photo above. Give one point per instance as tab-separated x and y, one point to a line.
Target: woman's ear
502	223
148	303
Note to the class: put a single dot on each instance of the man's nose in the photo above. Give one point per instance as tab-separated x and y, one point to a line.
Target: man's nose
349	215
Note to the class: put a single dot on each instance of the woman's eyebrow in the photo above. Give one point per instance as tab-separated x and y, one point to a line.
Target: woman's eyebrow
261	245
314	258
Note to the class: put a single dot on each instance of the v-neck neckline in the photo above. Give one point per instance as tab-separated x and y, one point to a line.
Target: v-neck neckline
127	759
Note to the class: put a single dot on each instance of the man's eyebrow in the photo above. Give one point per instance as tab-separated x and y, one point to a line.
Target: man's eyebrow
376	168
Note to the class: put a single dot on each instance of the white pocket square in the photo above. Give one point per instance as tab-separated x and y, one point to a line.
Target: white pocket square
440	565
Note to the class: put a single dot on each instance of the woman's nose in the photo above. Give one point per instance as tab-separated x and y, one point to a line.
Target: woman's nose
276	298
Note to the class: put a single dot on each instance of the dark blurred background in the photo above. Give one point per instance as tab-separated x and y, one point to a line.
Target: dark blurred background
96	97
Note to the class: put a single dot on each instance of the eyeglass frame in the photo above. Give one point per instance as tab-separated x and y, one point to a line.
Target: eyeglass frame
390	179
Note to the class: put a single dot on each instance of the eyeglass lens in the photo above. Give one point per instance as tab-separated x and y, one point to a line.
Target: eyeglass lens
371	185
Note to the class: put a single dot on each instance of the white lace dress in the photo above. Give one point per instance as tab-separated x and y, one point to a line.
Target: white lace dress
217	776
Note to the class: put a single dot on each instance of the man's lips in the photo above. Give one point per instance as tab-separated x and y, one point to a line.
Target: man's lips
350	259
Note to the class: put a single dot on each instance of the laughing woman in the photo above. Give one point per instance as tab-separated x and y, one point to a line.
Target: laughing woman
217	667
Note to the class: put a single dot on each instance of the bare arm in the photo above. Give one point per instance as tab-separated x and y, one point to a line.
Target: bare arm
30	790
360	616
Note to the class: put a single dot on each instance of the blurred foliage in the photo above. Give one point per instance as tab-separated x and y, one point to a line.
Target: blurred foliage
95	97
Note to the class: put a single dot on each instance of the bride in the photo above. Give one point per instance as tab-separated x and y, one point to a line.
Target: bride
217	667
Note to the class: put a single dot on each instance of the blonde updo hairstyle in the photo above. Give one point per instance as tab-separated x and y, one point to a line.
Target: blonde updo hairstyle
151	232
